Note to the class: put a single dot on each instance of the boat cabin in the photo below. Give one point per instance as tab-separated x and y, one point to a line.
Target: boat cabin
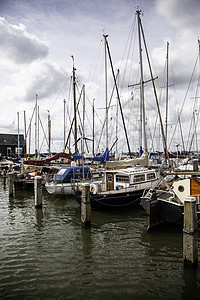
124	178
187	187
68	174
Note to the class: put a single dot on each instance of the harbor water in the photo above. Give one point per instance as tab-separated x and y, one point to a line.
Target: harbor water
47	254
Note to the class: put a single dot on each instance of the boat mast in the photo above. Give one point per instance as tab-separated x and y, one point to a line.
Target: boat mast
93	128
167	85
64	123
156	97
49	132
25	134
75	119
83	132
36	96
142	108
18	134
106	89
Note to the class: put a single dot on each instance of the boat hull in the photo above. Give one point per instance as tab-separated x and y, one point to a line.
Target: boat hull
59	188
169	212
108	200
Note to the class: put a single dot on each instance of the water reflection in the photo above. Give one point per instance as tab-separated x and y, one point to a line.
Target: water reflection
191	282
87	242
39	219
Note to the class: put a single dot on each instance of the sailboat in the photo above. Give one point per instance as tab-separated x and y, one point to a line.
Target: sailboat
123	186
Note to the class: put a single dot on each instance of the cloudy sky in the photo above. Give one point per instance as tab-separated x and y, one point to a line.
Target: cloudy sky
38	39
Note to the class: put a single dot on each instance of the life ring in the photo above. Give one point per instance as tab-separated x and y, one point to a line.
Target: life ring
93	188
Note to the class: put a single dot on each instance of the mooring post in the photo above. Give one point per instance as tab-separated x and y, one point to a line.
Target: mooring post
85	205
10	183
195	165
190	231
4	176
38	191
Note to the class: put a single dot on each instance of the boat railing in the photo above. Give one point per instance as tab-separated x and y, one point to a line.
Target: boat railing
197	196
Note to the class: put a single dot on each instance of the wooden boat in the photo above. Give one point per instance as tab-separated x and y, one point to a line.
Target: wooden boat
25	180
165	202
119	187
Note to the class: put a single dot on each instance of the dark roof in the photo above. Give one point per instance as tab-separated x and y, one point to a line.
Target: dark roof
11	139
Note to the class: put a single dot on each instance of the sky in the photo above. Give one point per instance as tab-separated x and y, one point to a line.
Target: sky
42	40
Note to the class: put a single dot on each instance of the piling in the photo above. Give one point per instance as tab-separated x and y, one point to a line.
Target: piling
190	232
10	183
195	165
85	205
38	191
4	176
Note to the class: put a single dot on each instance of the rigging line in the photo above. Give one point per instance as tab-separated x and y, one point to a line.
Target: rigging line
60	92
154	88
109	105
89	101
184	99
118	97
193	123
45	137
160	97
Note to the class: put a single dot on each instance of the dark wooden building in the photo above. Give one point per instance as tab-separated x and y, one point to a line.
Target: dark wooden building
9	145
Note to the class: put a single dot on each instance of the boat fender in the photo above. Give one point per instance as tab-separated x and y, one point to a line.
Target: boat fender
93	188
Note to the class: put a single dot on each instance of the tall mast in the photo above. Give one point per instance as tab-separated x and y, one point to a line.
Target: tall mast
38	132
83	132
64	124
18	134
106	90
117	110
75	120
93	128
142	108
36	96
167	85
49	132
25	134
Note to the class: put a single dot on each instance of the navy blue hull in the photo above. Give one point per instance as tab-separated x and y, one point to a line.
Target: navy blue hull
102	201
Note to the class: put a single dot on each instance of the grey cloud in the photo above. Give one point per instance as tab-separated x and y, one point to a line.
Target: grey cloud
46	83
19	46
181	13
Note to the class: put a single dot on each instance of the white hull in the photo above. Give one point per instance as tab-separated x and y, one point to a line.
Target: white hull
59	188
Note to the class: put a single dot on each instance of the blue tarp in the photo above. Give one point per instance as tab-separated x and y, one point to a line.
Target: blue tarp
67	174
102	158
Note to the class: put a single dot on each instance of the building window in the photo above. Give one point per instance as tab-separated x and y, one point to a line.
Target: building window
9	152
16	151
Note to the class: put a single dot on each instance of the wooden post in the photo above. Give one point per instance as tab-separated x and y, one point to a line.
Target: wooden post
4	176
10	183
190	231
38	191
195	165
85	205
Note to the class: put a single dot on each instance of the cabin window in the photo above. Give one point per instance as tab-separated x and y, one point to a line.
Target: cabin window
110	178
61	171
138	178
181	188
122	178
151	176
